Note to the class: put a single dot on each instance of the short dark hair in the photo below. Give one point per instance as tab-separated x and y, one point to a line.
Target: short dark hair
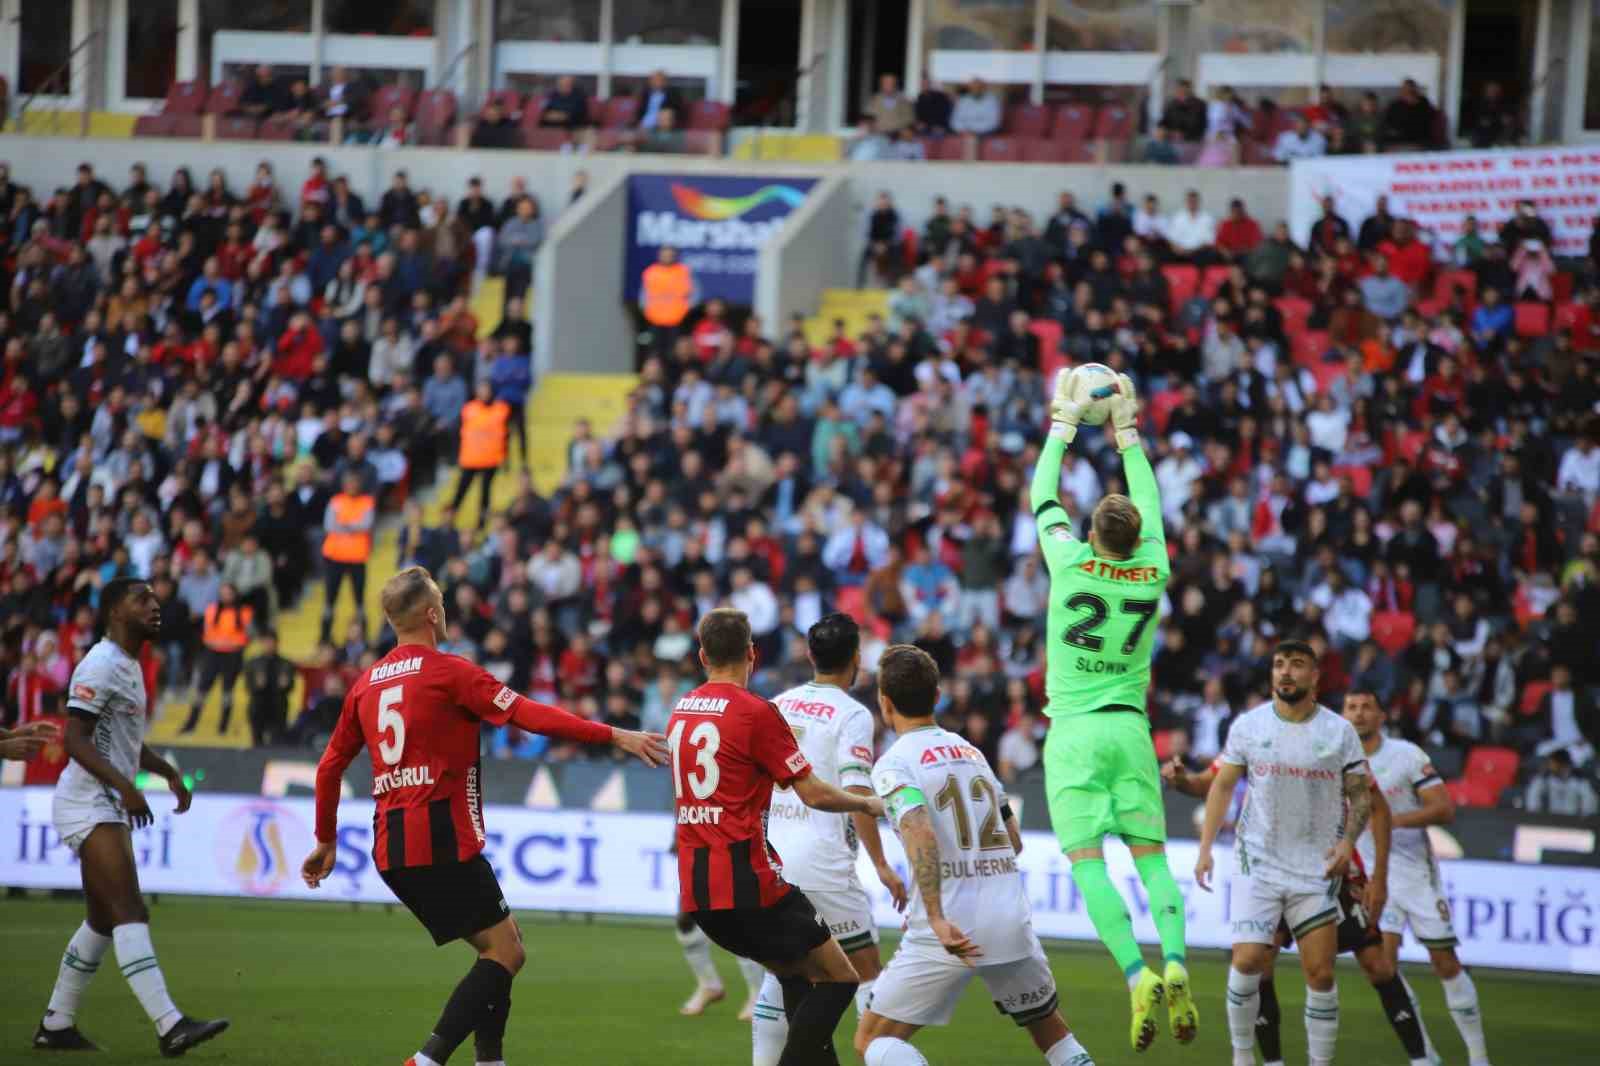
910	678
833	642
116	590
1295	647
1364	689
725	636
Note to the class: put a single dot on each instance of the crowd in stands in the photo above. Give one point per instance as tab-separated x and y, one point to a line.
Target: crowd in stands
219	390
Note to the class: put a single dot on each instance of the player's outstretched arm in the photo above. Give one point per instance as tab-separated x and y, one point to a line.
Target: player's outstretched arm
867	832
1142	487
81	750
648	748
922	851
1217	799
151	763
1174	775
821	796
26	741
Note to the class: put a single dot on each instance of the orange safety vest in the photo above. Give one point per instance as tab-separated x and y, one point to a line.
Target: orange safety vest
227	630
349	547
483	434
667	291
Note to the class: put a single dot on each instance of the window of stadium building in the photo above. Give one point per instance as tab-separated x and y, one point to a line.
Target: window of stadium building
1591	92
984	25
1100	26
271	16
666	21
1388	26
1255	26
152	57
46	29
546	20
402	19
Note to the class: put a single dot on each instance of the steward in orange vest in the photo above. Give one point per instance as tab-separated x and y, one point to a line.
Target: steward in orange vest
346	547
666	291
484	430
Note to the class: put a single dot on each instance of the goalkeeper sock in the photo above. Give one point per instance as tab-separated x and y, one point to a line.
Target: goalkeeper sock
1166	903
1109	914
78	966
486	986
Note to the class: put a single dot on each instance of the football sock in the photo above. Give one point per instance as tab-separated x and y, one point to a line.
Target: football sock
136	957
1066	1052
1166	904
1402	1014
864	996
1108	913
1243	1006
419	1059
795	990
753	974
892	1051
697	953
770	1027
1416	1005
1269	1022
1322	1024
485	988
811	1026
78	967
488	1039
1461	996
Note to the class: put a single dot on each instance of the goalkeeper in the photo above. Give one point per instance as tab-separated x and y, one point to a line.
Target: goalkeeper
1101	774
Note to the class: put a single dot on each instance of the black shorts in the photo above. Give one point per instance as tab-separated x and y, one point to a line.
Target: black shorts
788	930
452	900
1355	934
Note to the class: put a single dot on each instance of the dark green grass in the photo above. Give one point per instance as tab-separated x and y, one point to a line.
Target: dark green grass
330	984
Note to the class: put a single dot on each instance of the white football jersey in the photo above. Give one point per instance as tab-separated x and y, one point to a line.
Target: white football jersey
834	731
109	684
980	882
1294	809
1402	770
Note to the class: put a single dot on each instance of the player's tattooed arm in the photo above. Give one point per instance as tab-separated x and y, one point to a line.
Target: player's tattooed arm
1357	812
922	850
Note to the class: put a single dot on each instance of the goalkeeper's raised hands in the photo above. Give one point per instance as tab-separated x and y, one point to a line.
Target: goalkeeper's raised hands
1065	413
1125	413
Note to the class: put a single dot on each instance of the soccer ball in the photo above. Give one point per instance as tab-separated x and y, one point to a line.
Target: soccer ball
1091	387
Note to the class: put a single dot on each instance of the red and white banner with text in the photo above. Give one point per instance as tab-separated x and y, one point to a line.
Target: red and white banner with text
1438	190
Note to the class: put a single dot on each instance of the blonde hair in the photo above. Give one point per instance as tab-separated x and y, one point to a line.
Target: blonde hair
1116	524
404	594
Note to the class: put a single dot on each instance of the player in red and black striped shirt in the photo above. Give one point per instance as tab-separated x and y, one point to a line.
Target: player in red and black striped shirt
420	712
729	748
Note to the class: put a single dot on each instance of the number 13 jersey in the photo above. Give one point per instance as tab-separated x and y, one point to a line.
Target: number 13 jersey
980	883
729	747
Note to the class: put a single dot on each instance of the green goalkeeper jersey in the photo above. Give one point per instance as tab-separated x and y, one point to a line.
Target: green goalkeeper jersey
1102	620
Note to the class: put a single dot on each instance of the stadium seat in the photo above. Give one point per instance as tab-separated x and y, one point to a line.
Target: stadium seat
1566	316
1311	345
1049	150
1325	373
1561	286
236	128
950	149
153	126
1048	331
1213	279
1294	310
436	116
1162	404
532	110
1360	478
1163	740
185	98
224	99
999	150
541	139
1073	122
1115	122
708	115
610	140
1393	630
1027	120
1533	319
622	112
702	142
274	129
1256	154
510	101
851	600
1495	765
186	125
1533	695
1183	281
1446	282
597	111
390	97
1469	793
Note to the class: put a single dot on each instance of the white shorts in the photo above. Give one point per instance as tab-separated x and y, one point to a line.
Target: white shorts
1256	906
848	915
1417	902
74	819
922	985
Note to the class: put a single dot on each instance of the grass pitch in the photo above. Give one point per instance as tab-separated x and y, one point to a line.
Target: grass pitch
314	984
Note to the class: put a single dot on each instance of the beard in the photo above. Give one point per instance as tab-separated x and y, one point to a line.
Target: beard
1292	693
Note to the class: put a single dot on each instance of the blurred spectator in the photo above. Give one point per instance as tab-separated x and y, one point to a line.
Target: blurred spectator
567	107
1191	231
1300	142
667	293
517	246
977	111
1490	121
263	97
1556	789
1534	270
869	145
226	633
1408	120
1159	149
269	678
495	129
1566	719
656	98
484	436
1185	113
1238	234
346	547
889	109
345	98
933	109
1018	749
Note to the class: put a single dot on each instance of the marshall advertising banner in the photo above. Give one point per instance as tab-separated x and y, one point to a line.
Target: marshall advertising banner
1438	190
1506	914
718	226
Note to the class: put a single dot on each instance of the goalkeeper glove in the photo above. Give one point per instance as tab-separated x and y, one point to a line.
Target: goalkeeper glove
1064	413
1125	414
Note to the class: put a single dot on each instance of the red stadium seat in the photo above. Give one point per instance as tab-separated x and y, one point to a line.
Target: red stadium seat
851	600
1311	345
1183	281
611	140
1162	404
1115	122
544	140
1325	373
1073	122
1393	630
1213	279
236	128
532	109
224	98
1049	150
436	116
1469	793
1163	740
999	150
185	98
1294	310
186	125
704	142
1028	120
1566	316
1446	282
1048	330
622	112
1561	286
510	102
950	149
708	115
1360	478
153	126
390	97
1532	696
274	129
1533	319
1494	765
597	111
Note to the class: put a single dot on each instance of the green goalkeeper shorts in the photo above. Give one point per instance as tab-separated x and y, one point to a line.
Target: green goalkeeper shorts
1101	776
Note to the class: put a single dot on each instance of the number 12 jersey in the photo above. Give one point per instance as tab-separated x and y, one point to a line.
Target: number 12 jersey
729	747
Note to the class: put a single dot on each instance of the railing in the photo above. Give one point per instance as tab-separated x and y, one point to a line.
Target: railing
61	78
